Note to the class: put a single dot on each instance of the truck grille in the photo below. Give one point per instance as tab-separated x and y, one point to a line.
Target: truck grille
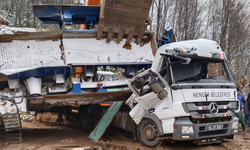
206	111
200	112
209	120
208	133
202	130
207	103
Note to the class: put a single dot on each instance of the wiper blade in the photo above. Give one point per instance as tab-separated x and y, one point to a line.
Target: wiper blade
181	59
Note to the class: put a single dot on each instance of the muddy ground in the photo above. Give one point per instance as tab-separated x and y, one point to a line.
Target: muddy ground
40	136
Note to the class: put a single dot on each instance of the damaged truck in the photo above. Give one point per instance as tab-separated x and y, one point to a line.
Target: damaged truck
186	93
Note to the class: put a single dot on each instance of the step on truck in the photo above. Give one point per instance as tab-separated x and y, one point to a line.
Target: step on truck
188	94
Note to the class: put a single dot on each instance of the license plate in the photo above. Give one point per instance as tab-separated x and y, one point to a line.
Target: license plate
214	127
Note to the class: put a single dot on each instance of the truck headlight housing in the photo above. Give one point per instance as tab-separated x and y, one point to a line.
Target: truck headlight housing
235	125
187	129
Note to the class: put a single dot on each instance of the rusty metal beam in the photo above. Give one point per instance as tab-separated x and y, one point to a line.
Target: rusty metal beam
88	98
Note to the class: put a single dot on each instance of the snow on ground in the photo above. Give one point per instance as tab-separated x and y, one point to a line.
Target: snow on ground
11	30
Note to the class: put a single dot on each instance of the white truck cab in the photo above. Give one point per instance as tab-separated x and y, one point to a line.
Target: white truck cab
188	94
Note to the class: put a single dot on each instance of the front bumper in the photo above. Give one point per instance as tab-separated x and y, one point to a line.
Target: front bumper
202	132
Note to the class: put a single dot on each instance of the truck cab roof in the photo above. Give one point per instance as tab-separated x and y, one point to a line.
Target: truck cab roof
200	48
199	45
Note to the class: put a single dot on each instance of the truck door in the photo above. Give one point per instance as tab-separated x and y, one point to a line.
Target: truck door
153	110
150	89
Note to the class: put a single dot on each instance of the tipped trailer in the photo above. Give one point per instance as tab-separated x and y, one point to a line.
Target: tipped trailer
37	63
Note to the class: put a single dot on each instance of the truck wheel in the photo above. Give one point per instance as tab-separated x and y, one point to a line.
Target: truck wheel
86	121
147	133
97	116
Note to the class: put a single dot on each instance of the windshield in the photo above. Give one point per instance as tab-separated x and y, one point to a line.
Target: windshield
199	70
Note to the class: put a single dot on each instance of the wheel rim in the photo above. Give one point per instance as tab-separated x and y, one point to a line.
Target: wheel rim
150	132
147	132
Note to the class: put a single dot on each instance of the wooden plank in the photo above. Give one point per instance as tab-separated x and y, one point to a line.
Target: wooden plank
70	147
101	127
31	36
92	95
108	144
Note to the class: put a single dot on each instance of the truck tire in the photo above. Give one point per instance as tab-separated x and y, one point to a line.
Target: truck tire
86	120
97	116
147	133
90	120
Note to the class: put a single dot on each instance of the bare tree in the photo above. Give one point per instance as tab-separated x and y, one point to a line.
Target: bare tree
229	24
186	18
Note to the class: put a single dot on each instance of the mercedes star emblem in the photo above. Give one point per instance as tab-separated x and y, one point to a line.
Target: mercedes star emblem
213	108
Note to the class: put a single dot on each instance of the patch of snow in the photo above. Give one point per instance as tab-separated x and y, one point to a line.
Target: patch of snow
90	50
30	54
13	71
11	30
21	55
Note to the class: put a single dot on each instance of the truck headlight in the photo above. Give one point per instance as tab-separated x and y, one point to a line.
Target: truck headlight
235	125
187	129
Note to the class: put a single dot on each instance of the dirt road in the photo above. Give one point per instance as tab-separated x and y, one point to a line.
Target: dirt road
39	136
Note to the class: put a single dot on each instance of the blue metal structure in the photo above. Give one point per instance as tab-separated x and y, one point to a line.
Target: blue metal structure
42	72
76	88
168	37
88	15
67	14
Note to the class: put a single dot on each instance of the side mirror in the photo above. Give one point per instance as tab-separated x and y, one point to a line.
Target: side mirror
157	89
155	86
162	94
